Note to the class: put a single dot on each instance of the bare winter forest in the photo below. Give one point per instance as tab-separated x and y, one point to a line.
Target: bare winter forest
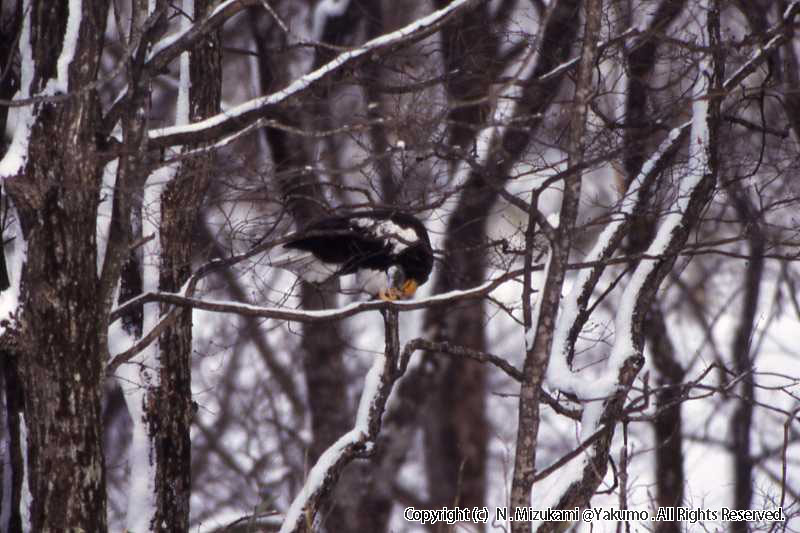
612	194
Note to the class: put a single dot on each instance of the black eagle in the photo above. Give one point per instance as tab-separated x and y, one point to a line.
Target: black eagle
389	250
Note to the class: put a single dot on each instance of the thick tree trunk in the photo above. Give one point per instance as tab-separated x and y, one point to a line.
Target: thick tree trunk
63	364
741	424
171	408
641	63
471	54
668	424
456	429
564	15
455	424
56	195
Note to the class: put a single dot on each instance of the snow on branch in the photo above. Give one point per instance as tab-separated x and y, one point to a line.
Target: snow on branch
601	48
248	112
61	82
559	375
184	299
299	315
694	192
356	442
171	46
21	118
778	34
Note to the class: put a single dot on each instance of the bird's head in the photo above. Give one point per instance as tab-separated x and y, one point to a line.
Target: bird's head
401	286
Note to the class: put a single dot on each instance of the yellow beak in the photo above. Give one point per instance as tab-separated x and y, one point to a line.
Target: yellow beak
409	288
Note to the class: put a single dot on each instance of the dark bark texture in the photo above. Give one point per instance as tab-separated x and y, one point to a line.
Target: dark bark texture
742	421
62	363
14	400
170	404
668	424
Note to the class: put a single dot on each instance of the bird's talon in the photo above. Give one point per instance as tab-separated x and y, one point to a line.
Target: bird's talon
389	295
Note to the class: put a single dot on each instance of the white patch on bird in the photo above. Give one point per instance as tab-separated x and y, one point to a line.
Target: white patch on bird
399	237
395	276
372	281
304	265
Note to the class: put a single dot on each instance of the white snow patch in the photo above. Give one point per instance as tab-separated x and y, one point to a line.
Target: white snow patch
399	237
182	104
104	211
135	378
27	498
328	459
21	118
536	306
61	83
324	10
16	252
368	396
530	336
141	487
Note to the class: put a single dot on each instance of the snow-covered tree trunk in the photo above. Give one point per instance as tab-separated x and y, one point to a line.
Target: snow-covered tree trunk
53	174
579	481
181	203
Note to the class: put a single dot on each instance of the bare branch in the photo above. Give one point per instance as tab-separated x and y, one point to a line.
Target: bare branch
358	441
326	315
244	114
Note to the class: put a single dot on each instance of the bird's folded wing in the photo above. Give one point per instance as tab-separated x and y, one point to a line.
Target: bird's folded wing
305	265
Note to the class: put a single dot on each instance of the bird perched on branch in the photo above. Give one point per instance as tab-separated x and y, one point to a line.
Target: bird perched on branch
389	251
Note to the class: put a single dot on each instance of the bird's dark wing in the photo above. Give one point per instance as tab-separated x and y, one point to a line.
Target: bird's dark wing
381	241
345	241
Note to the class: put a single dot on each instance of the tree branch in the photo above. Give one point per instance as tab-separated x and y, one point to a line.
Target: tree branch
359	441
242	115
